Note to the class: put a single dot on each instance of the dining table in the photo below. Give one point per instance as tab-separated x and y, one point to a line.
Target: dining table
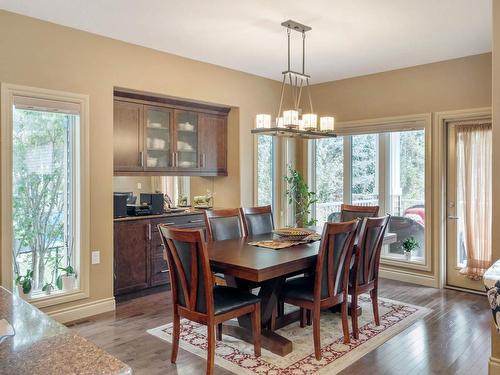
264	271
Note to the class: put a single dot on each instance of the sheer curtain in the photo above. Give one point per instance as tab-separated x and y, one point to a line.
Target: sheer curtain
474	195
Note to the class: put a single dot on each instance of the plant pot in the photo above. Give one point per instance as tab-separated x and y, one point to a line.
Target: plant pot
21	294
68	282
408	255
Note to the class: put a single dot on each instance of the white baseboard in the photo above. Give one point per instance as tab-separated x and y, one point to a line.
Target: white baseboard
494	366
83	310
409	277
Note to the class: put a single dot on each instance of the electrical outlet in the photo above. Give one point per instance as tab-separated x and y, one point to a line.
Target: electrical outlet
96	257
139	186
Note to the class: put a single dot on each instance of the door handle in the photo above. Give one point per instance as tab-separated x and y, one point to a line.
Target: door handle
141	158
453	217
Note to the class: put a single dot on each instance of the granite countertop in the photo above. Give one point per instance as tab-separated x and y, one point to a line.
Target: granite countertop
166	214
43	346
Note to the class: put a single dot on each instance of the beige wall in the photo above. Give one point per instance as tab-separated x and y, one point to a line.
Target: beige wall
447	85
494	367
41	54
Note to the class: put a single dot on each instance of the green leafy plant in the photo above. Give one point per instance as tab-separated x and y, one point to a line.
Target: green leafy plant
25	281
68	272
302	199
410	244
48	287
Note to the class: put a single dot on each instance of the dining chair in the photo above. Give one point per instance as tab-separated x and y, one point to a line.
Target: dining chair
224	224
193	295
257	220
328	286
364	274
350	212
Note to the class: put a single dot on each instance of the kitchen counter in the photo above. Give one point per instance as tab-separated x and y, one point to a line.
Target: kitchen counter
167	214
43	346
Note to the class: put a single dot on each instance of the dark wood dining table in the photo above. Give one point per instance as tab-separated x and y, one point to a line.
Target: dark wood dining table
248	267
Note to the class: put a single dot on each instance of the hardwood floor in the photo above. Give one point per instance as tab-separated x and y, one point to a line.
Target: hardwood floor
453	339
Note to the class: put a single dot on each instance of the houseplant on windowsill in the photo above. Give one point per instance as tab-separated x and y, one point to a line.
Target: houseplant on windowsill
302	199
409	245
66	282
48	288
24	284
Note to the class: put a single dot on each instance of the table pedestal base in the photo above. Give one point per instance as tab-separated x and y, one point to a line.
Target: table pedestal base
269	340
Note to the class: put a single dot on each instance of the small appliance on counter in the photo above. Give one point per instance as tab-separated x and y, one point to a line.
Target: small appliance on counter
120	204
138	210
154	201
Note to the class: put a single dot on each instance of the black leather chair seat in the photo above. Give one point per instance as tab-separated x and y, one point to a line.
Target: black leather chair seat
227	299
299	288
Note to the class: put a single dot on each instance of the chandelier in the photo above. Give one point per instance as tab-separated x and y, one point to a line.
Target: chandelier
294	120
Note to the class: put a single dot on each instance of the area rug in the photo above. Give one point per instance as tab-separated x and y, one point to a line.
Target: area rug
237	356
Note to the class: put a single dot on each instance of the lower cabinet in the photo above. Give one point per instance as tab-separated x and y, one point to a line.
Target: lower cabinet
138	251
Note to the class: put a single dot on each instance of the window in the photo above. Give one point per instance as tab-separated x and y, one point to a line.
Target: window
329	175
385	169
406	190
45	214
265	170
364	167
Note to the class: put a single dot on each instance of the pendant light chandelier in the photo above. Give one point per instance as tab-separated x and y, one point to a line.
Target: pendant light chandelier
294	121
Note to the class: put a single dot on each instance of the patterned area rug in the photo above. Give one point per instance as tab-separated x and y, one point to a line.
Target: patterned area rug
237	356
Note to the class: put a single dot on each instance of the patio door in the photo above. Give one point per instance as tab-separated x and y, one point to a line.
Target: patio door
468	206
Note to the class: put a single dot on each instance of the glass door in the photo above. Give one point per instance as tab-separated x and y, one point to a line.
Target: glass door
186	140
468	250
158	138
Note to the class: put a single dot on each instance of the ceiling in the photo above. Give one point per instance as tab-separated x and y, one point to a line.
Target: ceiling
348	38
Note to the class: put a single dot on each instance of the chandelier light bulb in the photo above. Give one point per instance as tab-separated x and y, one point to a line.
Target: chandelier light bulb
327	123
262	121
310	121
291	118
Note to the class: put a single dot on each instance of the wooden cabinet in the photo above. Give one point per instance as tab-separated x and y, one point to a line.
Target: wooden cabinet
138	250
213	144
157	136
131	256
127	137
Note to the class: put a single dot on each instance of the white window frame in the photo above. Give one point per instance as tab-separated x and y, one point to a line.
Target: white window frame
81	212
381	126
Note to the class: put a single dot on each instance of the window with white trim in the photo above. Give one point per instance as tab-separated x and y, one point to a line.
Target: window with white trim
46	193
385	169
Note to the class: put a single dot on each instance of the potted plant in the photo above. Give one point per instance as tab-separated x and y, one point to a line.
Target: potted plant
302	199
24	284
48	288
66	282
409	245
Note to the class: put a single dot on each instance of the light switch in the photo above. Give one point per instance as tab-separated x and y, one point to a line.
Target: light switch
139	186
96	257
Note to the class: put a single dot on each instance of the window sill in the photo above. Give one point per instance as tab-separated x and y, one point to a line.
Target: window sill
414	263
40	299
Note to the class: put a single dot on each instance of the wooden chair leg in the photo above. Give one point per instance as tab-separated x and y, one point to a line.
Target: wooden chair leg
374	297
354	315
316	333
256	330
211	348
309	318
302	317
175	338
219	332
345	322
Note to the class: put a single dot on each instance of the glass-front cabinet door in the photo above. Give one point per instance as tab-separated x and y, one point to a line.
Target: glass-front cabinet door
186	140
158	131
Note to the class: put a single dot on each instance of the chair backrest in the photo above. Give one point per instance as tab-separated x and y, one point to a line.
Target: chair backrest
350	212
369	245
257	220
190	275
334	259
224	224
